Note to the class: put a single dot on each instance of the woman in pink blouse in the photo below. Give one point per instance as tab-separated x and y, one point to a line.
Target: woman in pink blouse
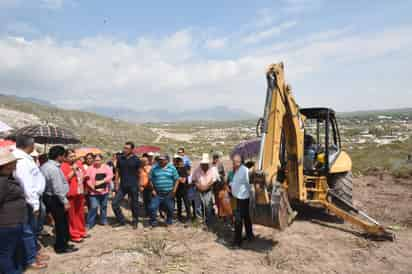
99	176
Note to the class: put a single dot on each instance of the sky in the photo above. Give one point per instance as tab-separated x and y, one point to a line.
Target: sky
181	55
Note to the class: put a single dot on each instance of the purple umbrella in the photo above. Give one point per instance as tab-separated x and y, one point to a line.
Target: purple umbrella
247	149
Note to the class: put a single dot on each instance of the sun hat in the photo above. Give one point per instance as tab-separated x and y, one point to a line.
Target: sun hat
34	154
177	156
7	157
205	158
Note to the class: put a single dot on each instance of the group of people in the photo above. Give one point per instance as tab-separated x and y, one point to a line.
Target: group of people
65	186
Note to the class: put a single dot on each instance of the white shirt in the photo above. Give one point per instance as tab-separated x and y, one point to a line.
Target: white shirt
240	183
31	178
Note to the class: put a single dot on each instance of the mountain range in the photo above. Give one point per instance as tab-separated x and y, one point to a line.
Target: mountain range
218	113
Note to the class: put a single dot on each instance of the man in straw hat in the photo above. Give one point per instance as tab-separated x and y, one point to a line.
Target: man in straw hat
12	213
204	177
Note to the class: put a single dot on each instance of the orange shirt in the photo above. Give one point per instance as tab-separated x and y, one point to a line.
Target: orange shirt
144	173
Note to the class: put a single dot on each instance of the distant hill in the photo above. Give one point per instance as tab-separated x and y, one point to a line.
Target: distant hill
93	129
219	113
396	113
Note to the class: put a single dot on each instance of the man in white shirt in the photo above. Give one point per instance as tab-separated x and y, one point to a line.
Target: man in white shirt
240	188
33	182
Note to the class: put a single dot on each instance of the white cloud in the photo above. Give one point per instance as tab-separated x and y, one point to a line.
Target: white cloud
172	72
53	4
218	43
268	33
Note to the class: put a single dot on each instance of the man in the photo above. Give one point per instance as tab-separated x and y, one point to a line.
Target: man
186	160
240	188
55	198
218	165
204	177
32	180
164	179
181	194
74	173
127	182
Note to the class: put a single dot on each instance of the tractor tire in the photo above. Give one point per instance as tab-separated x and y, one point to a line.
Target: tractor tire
342	186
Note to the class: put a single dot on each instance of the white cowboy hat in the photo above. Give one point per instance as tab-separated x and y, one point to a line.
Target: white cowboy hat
7	157
205	158
177	156
35	153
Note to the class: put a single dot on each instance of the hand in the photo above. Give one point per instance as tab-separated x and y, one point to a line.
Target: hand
36	213
66	207
154	193
141	189
173	193
74	166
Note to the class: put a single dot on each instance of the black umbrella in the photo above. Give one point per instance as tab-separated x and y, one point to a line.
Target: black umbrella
47	134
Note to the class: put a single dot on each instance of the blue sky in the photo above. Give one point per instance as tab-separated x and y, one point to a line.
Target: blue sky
349	55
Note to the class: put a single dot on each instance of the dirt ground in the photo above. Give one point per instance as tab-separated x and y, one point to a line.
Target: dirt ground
313	244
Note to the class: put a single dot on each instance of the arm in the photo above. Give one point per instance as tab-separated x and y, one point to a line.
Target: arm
59	185
176	178
23	174
109	174
4	191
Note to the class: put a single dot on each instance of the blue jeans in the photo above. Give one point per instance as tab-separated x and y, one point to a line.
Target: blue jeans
96	201
10	240
165	200
30	238
147	197
133	193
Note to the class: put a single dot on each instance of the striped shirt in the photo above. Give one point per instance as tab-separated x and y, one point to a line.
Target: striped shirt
164	178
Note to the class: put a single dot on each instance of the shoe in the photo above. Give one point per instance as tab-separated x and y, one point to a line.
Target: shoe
249	238
236	244
77	241
37	265
135	225
87	236
67	250
119	225
42	257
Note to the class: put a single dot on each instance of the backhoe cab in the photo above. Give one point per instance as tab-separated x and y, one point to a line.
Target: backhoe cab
301	161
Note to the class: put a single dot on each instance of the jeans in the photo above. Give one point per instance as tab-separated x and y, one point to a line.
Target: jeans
132	192
242	216
95	202
181	196
61	223
165	200
30	238
10	240
147	198
207	206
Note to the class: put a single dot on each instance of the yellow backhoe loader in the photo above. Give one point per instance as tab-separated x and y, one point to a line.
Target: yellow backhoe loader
301	162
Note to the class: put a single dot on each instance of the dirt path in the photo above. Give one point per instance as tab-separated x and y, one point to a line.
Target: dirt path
308	246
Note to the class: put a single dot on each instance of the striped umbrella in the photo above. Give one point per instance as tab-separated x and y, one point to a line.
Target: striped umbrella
47	134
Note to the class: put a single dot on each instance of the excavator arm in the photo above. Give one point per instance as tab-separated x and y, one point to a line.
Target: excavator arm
282	126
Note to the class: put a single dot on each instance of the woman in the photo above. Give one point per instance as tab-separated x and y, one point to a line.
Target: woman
240	187
99	175
88	160
145	186
74	173
12	213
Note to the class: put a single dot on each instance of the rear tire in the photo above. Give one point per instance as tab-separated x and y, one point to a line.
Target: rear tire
342	186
